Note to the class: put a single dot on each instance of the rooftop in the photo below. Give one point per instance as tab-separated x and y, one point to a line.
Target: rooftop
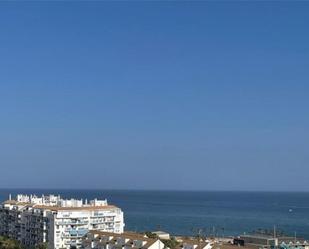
56	203
131	236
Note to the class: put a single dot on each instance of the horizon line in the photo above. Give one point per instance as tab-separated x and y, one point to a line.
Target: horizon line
152	190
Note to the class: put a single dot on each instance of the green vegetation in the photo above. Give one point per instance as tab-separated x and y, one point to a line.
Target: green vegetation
171	243
6	243
41	246
151	235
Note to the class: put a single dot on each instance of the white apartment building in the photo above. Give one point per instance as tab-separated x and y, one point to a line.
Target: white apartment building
59	223
126	240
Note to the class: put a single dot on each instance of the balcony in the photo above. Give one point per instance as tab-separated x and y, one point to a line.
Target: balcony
61	223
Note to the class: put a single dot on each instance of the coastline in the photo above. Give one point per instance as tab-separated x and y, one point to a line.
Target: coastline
231	213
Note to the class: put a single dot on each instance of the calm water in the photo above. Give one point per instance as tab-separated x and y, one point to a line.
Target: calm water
228	213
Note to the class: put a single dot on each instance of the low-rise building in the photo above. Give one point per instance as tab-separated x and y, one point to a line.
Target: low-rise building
126	240
265	241
261	240
194	244
162	235
294	245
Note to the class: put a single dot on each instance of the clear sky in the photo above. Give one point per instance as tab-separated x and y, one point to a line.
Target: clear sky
155	95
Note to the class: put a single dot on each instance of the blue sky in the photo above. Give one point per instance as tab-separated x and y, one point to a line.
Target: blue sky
155	95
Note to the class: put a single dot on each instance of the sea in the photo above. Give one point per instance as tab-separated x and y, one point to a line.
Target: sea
210	213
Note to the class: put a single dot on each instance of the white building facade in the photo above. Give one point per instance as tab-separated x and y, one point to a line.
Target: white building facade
126	240
58	223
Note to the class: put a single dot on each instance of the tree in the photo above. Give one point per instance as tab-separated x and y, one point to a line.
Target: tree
41	246
6	243
171	243
151	235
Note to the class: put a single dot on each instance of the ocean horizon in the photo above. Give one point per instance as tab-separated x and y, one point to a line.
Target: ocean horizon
212	212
